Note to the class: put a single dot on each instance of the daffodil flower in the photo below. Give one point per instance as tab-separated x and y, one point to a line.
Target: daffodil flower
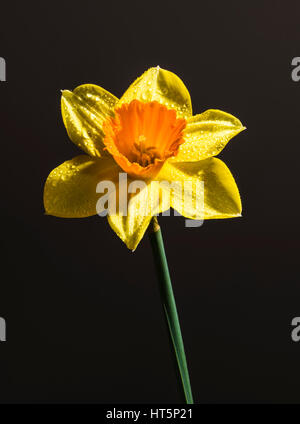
151	135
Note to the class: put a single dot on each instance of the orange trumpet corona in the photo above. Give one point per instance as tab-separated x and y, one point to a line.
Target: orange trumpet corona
141	136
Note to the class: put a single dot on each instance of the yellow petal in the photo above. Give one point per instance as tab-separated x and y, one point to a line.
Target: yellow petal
207	134
70	189
83	112
142	204
162	86
202	190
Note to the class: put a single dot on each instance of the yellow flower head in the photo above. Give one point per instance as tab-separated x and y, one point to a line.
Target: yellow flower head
148	135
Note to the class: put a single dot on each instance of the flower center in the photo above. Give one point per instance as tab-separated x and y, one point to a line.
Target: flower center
142	136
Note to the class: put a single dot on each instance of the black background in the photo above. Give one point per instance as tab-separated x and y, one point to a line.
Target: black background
84	319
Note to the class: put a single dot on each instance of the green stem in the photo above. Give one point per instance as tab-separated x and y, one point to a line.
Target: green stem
169	305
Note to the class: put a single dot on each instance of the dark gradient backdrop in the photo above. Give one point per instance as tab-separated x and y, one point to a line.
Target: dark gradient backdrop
84	319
